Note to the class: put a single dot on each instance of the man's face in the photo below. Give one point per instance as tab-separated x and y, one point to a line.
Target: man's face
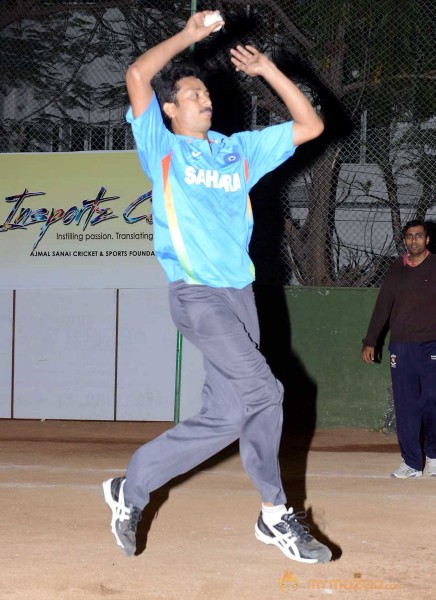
416	241
191	113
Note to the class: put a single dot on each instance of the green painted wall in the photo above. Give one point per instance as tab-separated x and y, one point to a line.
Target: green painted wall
318	359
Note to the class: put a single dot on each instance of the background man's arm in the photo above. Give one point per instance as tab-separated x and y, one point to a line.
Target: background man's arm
307	123
140	74
379	318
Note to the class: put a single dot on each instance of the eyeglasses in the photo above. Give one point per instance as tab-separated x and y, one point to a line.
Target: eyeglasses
414	236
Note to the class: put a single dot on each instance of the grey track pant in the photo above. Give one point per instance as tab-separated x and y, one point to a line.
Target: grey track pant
241	397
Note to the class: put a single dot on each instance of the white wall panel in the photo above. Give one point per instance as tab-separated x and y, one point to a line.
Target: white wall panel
146	356
6	320
147	347
65	354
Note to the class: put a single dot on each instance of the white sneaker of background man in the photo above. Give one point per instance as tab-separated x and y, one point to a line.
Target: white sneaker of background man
406	472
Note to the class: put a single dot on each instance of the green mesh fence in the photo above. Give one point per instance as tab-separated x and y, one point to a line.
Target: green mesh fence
332	215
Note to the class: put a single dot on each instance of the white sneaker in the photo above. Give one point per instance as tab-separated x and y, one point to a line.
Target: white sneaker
291	535
125	517
431	467
404	471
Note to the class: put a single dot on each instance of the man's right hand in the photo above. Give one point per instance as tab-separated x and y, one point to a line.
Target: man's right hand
196	28
368	354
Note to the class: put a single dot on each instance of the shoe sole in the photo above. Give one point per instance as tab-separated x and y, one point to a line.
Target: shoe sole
414	476
266	539
107	495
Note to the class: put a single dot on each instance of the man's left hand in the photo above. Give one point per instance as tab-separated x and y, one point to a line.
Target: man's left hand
249	60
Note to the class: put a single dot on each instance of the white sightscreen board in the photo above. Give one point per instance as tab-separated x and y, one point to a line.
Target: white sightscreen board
6	322
65	354
147	348
146	356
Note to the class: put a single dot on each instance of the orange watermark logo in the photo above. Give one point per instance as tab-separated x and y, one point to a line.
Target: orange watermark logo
290	583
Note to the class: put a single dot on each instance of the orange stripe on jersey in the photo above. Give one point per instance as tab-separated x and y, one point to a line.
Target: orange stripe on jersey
173	224
246	169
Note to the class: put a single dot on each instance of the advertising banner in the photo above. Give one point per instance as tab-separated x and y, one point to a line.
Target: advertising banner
76	220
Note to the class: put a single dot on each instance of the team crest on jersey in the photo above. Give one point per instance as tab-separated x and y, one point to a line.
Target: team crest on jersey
393	361
231	158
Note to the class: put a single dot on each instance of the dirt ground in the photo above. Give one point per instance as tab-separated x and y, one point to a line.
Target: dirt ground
196	537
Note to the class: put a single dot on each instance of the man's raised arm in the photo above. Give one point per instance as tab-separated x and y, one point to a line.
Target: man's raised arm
307	124
142	71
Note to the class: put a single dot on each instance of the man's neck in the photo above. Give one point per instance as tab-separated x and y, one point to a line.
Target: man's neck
199	135
417	260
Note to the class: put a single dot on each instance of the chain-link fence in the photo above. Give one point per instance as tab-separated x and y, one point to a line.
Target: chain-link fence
332	215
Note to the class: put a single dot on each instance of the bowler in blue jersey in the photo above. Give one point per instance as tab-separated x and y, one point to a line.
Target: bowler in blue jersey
202	225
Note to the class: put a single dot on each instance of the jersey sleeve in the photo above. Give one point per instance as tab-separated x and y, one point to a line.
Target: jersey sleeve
152	138
267	149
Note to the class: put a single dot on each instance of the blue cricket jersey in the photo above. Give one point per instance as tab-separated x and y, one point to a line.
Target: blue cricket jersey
202	217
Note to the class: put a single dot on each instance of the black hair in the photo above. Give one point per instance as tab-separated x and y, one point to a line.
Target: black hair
167	83
415	223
